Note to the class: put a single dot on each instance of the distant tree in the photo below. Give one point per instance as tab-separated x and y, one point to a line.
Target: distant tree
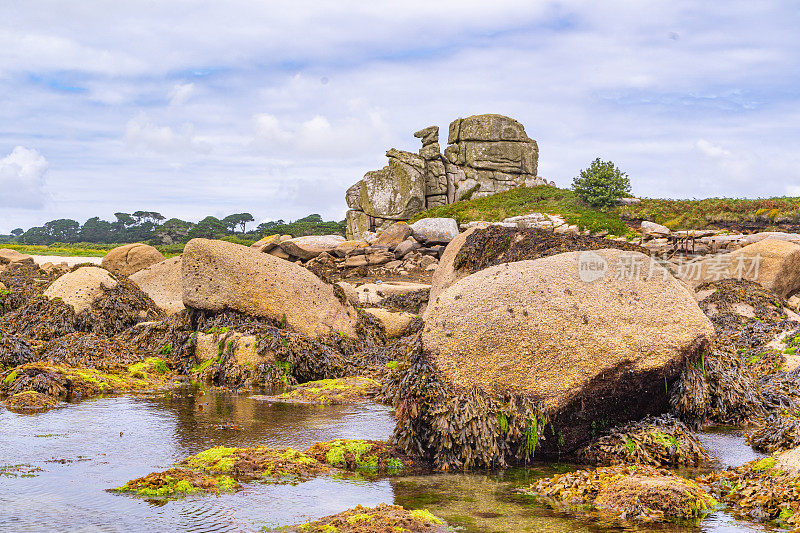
124	219
239	219
63	230
17	232
601	184
208	228
173	230
35	235
96	230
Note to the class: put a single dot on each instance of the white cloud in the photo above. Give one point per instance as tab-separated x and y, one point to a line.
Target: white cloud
180	93
361	130
22	179
711	150
142	135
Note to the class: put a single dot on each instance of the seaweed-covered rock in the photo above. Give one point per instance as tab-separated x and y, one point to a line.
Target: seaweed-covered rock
759	490
30	402
162	282
367	456
131	258
332	391
282	465
776	431
587	351
772	263
383	518
81	287
653	441
625	492
14	350
218	275
176	483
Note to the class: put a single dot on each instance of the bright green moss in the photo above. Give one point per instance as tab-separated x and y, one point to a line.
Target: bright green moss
423	515
10	378
219	459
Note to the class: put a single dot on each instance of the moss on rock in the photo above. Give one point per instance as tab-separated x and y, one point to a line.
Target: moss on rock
368	456
280	465
332	391
382	518
177	483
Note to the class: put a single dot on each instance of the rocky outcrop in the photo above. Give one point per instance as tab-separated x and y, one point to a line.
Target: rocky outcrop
81	287
487	154
162	283
131	258
587	350
219	275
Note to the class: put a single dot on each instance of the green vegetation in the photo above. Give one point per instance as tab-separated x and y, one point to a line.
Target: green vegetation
697	214
602	184
525	200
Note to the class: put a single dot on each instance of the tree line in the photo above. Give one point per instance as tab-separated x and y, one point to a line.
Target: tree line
151	226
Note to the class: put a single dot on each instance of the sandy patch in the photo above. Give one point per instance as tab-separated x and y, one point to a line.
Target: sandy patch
71	261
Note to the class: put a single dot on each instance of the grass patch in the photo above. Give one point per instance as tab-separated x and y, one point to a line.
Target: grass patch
525	200
697	214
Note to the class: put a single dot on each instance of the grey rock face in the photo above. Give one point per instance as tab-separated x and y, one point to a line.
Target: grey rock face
487	154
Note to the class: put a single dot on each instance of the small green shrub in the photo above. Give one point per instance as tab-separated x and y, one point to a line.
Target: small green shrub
602	184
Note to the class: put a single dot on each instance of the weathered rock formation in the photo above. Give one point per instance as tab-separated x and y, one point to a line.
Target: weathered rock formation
81	287
486	154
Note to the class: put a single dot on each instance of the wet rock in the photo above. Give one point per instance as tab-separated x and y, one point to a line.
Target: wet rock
130	258
218	275
81	287
162	283
311	246
405	247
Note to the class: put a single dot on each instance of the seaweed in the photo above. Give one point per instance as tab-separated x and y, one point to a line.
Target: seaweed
655	441
382	518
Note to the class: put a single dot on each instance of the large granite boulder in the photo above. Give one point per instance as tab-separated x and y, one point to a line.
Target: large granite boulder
593	349
130	258
446	274
81	287
311	246
394	235
219	275
162	283
772	263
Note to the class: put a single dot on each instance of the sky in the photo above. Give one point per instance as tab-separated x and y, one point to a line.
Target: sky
196	108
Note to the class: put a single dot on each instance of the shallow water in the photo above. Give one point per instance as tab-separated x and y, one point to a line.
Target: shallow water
87	448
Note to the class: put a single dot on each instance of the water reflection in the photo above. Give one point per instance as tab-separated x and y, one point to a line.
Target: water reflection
87	448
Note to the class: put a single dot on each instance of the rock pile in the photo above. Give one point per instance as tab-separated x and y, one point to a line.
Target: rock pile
487	154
